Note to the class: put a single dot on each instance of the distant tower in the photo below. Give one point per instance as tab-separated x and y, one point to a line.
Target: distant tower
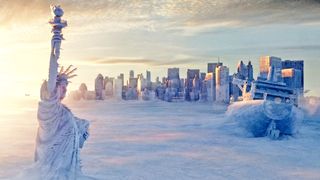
140	83
212	69
108	86
158	80
242	70
149	84
148	73
191	74
222	84
270	61
296	65
174	78
121	76
131	74
99	86
250	72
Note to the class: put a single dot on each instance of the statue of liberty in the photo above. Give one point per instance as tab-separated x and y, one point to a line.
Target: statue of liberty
60	134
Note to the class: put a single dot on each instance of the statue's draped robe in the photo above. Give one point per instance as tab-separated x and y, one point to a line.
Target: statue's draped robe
59	139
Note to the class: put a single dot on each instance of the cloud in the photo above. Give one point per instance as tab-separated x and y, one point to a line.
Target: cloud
168	15
302	47
139	61
122	60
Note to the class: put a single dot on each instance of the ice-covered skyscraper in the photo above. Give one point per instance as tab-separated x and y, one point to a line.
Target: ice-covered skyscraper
212	67
242	70
212	70
297	65
250	72
209	85
121	76
141	84
149	83
266	62
99	87
108	86
191	74
222	84
117	87
293	74
174	78
131	74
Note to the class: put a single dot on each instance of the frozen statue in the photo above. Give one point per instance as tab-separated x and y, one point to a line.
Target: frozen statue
60	134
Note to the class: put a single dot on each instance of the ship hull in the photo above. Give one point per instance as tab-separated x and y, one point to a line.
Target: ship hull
256	115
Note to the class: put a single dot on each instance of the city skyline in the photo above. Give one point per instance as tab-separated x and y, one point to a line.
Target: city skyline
113	37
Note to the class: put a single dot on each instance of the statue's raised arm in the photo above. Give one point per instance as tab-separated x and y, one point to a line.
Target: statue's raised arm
57	24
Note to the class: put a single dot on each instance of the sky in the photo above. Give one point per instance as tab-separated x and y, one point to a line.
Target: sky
113	37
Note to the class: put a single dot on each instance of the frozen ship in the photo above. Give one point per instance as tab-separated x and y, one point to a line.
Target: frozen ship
276	101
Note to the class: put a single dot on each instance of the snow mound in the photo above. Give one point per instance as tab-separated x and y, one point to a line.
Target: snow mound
250	116
311	108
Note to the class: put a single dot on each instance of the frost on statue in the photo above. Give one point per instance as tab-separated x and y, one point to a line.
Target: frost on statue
60	134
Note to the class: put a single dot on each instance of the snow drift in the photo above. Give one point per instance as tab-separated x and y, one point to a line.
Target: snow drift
311	108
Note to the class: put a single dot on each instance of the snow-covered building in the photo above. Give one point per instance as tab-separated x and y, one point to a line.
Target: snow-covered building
131	74
174	83
191	88
266	62
83	90
210	86
212	69
296	78
222	84
250	72
173	77
141	84
131	94
293	78
108	86
117	88
99	87
149	83
133	82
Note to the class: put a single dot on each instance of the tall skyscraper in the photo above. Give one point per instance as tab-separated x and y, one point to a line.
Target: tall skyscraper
222	84
121	76
174	78
266	62
191	74
250	72
131	74
242	70
148	76
141	83
212	67
297	65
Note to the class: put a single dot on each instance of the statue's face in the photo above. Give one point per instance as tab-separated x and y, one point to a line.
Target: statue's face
62	90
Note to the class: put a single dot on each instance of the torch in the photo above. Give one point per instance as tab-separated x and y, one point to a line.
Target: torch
57	24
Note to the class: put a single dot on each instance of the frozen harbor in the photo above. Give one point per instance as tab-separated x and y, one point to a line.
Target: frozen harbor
159	140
